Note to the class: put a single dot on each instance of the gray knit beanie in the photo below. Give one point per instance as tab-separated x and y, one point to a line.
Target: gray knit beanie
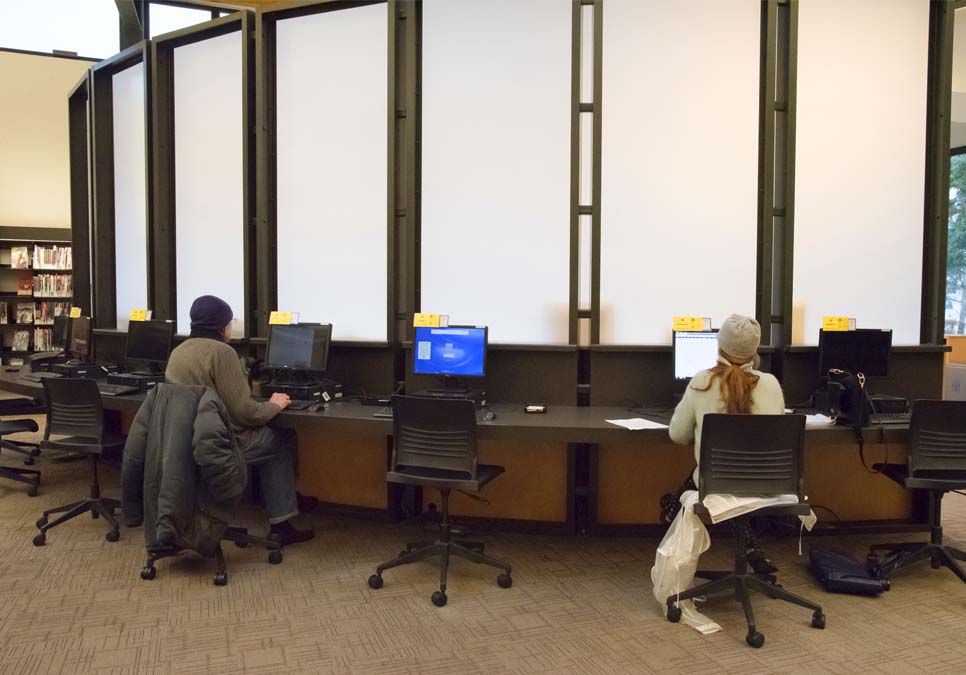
739	336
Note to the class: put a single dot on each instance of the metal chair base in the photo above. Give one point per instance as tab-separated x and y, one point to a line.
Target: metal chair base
906	554
29	476
97	506
237	535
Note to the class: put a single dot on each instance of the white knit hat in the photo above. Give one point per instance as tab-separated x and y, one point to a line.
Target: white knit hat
739	336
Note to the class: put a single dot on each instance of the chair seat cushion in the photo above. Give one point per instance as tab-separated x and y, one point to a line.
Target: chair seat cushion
17	426
441	478
927	479
83	444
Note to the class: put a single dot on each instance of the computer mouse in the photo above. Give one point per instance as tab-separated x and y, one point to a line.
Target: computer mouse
488	415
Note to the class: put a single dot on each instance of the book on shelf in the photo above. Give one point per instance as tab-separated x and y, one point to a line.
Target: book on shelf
53	285
19	258
25	312
25	287
43	339
52	257
3	313
21	341
45	312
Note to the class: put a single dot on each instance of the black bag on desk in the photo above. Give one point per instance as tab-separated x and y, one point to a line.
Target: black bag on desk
851	409
839	573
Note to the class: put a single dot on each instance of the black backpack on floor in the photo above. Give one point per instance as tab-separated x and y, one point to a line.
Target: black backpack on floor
839	573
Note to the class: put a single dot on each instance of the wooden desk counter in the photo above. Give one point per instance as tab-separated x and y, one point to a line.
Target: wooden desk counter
344	452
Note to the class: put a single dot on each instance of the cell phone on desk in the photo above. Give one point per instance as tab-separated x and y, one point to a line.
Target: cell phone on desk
534	408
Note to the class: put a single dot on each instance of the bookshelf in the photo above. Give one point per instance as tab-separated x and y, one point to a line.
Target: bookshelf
35	286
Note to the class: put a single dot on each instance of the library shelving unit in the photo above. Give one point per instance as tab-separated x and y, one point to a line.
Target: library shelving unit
35	285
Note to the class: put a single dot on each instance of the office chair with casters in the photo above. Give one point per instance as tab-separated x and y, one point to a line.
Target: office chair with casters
19	406
937	464
435	447
75	423
750	456
29	476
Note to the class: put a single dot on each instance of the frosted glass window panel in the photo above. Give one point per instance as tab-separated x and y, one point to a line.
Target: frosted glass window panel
130	205
165	18
859	165
332	226
679	175
496	166
209	216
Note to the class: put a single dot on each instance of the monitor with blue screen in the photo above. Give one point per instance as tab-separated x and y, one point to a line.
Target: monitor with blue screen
455	351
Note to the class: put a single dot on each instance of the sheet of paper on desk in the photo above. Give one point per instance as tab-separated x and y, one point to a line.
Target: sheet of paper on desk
818	421
636	424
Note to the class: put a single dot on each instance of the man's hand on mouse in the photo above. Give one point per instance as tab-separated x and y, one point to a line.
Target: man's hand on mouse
281	400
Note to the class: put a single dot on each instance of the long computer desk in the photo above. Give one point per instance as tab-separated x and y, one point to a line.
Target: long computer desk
567	470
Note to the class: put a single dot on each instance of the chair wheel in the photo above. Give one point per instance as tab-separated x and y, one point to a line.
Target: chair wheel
818	620
241	544
32	490
504	580
375	582
40	539
221	578
28	460
148	573
439	598
674	613
34	452
275	557
113	535
41	521
755	639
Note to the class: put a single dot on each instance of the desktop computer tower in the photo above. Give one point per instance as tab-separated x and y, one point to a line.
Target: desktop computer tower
143	381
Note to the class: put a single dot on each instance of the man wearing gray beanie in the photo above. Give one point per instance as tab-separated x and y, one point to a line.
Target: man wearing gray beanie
206	359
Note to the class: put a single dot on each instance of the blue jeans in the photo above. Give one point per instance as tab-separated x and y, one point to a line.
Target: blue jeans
273	452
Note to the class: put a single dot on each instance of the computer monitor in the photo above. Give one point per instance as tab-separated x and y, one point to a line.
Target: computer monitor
864	350
61	332
80	338
149	341
694	351
455	351
299	346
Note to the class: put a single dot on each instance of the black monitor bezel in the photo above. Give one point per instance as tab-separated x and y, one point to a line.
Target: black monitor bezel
486	349
53	332
127	342
674	352
823	369
90	339
325	357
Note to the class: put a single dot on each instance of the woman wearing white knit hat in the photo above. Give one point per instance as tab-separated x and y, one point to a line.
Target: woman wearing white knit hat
732	386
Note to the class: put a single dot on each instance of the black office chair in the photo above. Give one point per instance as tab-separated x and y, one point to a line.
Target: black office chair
20	406
435	447
75	415
29	476
937	464
750	455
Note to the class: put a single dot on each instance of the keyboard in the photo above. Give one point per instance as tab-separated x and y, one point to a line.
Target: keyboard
890	418
294	405
385	412
38	377
115	389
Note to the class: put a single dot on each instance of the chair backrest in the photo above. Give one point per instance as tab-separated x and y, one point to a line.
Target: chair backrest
937	436
434	434
74	408
749	455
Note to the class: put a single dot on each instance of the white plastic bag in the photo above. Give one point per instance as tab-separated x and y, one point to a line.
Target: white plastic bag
677	561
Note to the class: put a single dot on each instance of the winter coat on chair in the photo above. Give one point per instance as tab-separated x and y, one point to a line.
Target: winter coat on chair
182	469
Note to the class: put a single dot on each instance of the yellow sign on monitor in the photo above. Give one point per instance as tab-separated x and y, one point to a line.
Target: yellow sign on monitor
835	323
425	320
75	312
139	315
689	323
277	318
